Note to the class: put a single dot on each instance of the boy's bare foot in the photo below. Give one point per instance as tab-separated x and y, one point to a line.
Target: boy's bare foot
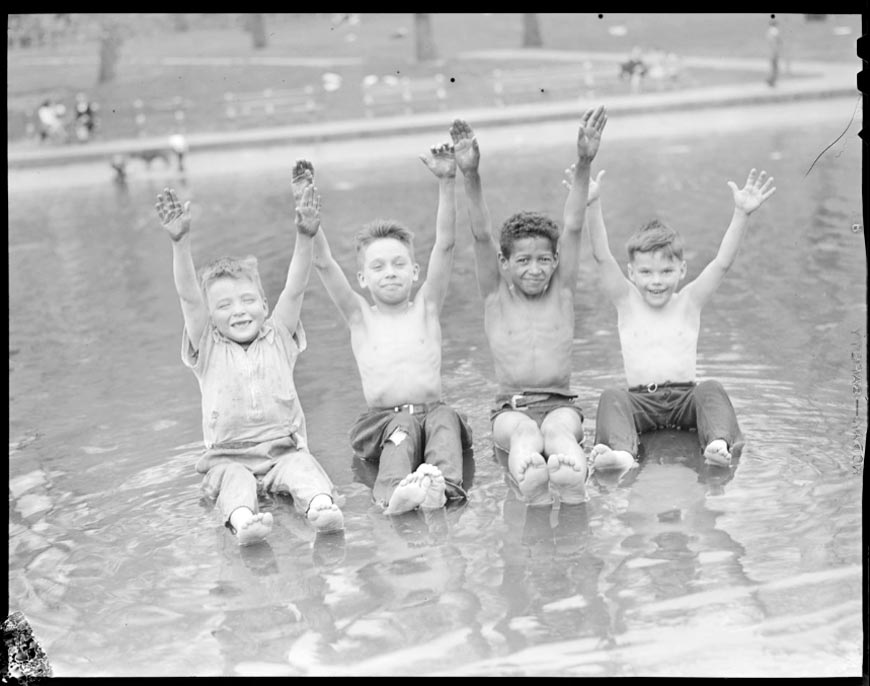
250	527
324	514
302	177
409	494
534	479
436	494
717	453
603	458
568	477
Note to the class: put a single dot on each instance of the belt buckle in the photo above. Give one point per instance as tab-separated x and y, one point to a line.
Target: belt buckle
410	407
514	400
652	388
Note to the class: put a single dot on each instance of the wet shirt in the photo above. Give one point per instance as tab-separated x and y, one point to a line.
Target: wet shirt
248	395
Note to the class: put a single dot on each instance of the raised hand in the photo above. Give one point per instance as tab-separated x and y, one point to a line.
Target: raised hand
465	147
308	211
174	217
754	193
594	183
589	133
441	160
303	176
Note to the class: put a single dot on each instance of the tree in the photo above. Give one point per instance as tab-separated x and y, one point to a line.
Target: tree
531	31
257	27
110	50
426	50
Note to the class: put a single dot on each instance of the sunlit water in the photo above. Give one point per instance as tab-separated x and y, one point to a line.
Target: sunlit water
680	570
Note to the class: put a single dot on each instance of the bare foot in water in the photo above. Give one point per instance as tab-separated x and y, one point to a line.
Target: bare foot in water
436	495
717	453
603	458
324	514
250	527
534	479
409	494
568	477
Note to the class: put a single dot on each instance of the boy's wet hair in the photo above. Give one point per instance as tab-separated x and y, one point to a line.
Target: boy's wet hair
382	228
655	235
230	268
526	225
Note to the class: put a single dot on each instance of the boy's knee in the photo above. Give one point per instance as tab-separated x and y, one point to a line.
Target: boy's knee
612	396
710	386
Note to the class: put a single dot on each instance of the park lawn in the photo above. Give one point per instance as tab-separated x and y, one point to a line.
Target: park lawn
379	44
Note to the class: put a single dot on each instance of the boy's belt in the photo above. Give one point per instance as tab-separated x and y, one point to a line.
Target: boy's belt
414	408
519	400
653	387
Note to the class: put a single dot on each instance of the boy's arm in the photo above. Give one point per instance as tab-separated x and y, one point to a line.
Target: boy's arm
289	303
175	218
613	282
588	141
442	163
467	153
329	271
746	201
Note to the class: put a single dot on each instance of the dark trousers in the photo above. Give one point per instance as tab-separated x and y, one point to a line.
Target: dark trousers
705	407
436	435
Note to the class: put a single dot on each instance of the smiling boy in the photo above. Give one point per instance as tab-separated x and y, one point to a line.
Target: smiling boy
528	279
415	440
253	425
658	332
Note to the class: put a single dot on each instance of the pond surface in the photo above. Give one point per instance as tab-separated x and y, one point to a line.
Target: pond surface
680	570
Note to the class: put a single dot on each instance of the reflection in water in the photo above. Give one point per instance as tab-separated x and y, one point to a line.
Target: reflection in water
678	569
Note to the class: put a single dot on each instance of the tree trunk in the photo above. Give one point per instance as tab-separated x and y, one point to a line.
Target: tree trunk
110	52
257	27
531	31
426	50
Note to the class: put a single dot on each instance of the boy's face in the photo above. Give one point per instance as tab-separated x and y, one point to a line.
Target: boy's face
388	271
236	307
656	276
530	265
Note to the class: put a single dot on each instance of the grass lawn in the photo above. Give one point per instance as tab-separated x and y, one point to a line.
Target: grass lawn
379	44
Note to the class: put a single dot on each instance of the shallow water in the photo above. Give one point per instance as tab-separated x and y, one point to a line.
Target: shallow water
680	570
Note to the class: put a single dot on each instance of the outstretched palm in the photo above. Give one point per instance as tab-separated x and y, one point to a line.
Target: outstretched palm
303	176
465	147
308	211
441	160
174	216
589	133
759	187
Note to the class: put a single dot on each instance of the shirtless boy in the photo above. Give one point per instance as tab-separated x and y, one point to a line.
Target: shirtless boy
528	278
253	425
658	333
416	440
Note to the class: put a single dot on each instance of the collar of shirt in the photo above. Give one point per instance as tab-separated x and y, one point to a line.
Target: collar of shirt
267	332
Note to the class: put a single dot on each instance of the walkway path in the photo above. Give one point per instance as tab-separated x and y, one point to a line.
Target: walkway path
808	80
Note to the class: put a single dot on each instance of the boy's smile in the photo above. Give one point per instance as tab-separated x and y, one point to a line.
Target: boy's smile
388	271
530	265
237	308
656	275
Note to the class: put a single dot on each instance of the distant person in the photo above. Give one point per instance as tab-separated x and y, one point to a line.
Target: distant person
658	333
634	69
253	425
774	42
85	118
51	126
416	440
527	275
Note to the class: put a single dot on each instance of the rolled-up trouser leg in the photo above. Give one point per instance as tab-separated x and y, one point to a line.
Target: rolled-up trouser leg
233	486
399	456
443	447
715	414
614	421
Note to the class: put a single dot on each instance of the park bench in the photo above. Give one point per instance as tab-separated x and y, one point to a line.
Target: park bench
557	82
272	103
391	94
